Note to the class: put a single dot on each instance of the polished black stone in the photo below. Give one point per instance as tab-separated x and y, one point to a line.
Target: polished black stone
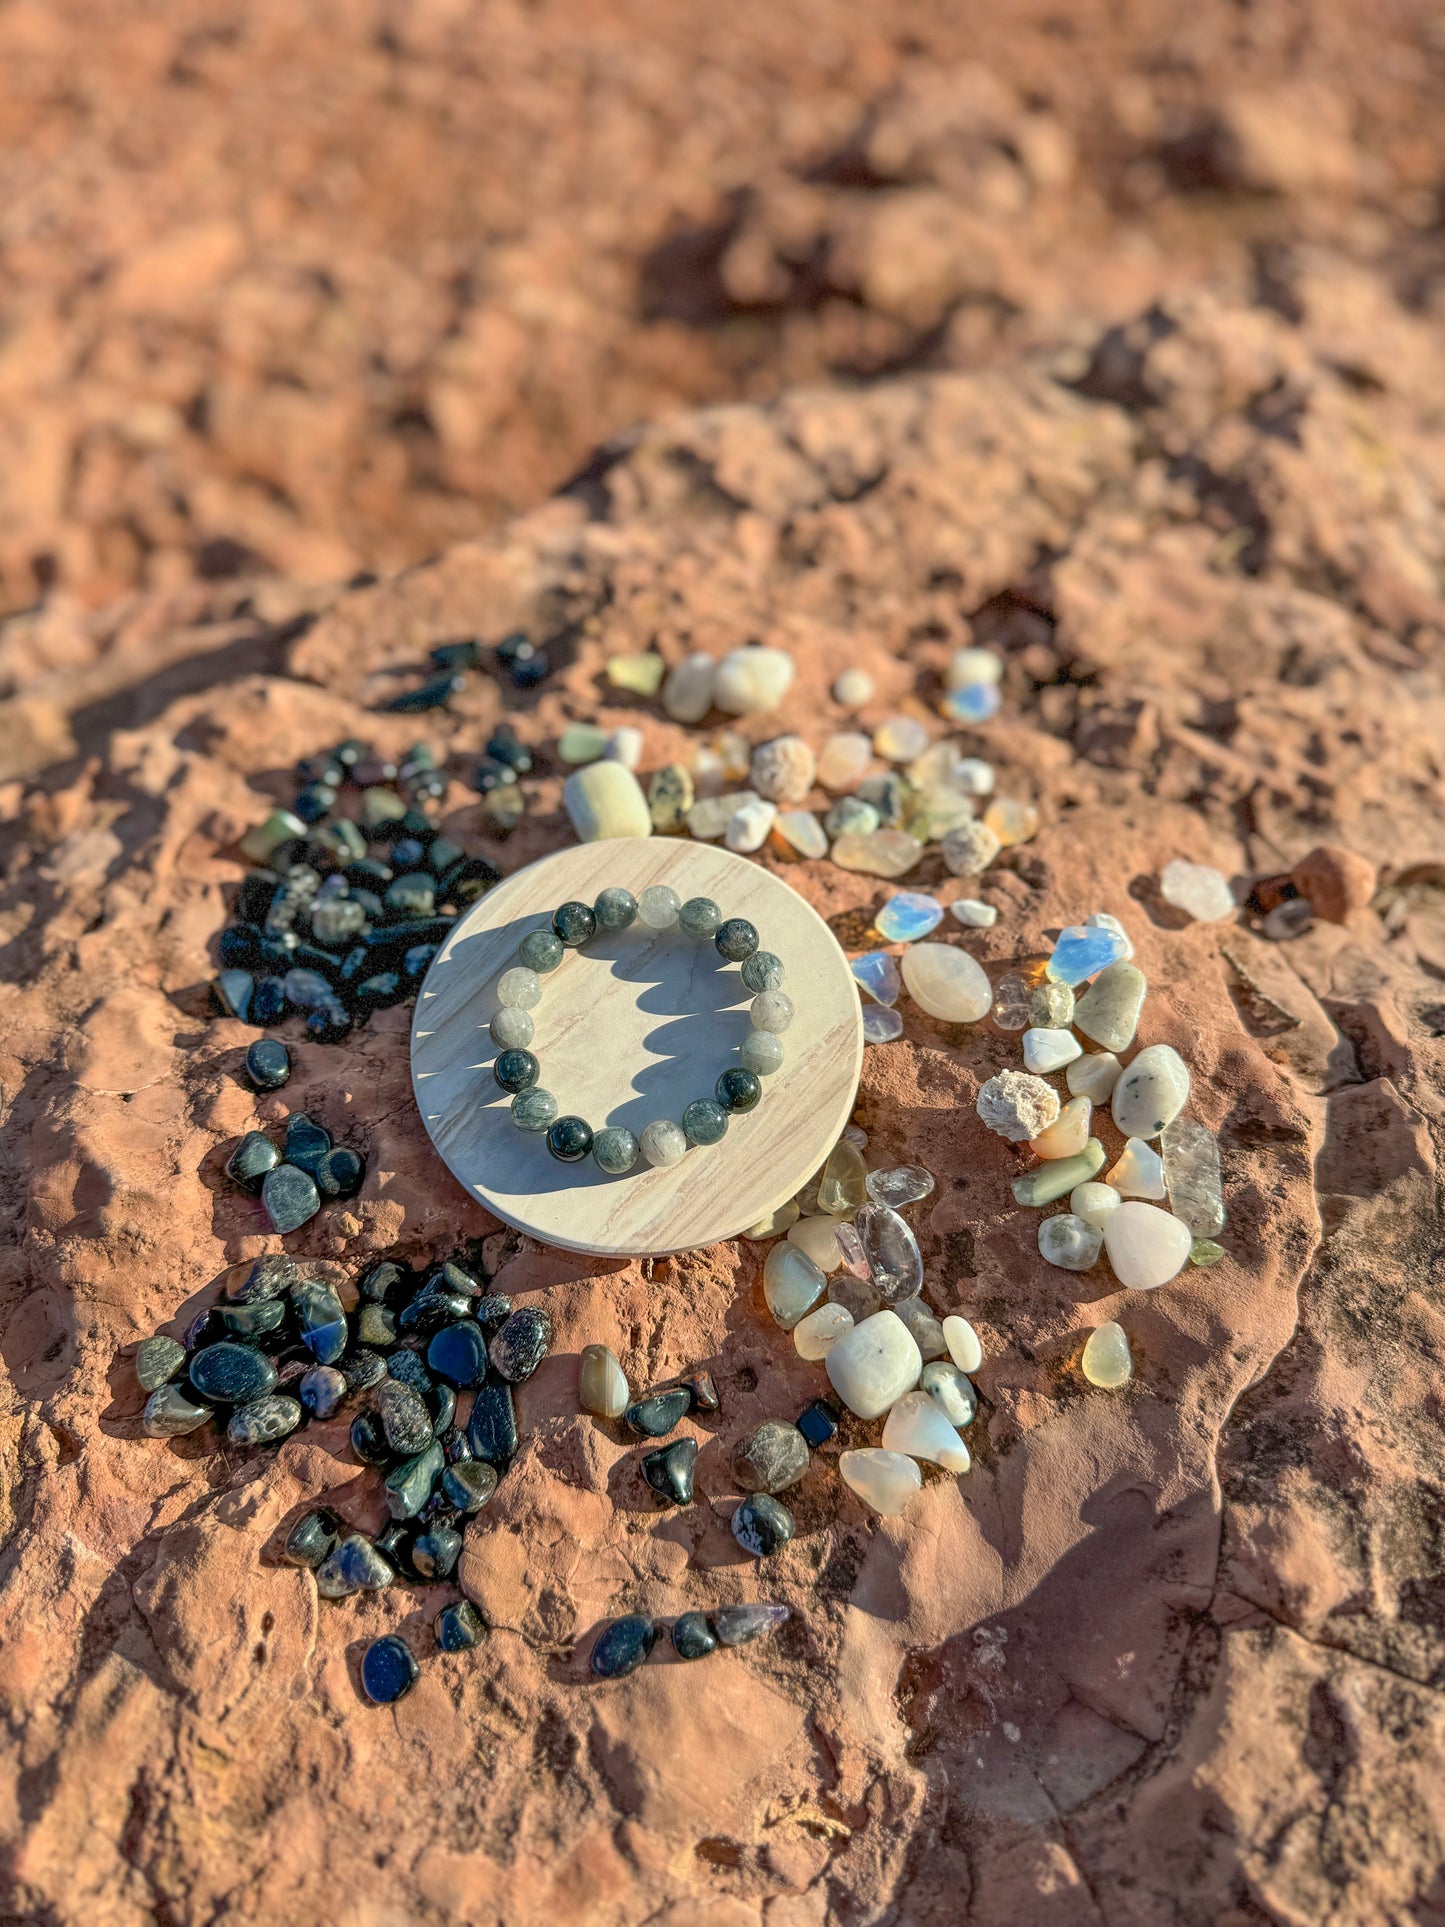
669	1470
396	1543
435	694
313	1538
430	1310
204	1329
408	853
492	1312
252	1322
329	1024
369	1441
409	1485
454	1444
736	939
232	991
306	1142
337	922
341	1173
170	1413
491	774
290	1197
622	1646
441	1402
703	1391
229	1373
444	855
692	1637
436	1552
407	1368
469	1484
452	1277
467	882
384	1282
268	1002
388	1667
457	655
375	1325
819	1422
521	1345
322	1318
268	1064
268	1277
492	1429
239	947
405	1419
262	1421
458	1353
253	1158
569	1139
312	803
663	1412
516	1070
506	746
363	1368
459	1627
416	963
574	924
762	1524
309	989
322	1391
737	1089
355	1566
255	894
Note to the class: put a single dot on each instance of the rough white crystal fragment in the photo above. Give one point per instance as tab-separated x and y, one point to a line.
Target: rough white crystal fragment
748	826
1198	889
783	770
916	1426
1146	1246
884	1480
872	1366
1017	1106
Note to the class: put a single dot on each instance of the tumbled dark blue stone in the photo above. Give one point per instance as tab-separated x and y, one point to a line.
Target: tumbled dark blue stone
363	1367
492	1429
322	1319
388	1669
818	1422
396	1542
435	693
569	1139
251	1161
738	1090
229	1373
469	1484
290	1197
308	990
312	803
313	1538
669	1470
736	940
436	1551
692	1637
655	1417
407	1368
574	924
409	1485
408	854
404	1417
269	1277
762	1524
516	1070
459	1627
262	1421
329	1024
430	1310
268	1004
521	1344
233	990
369	1441
412	895
307	1142
416	963
383	1281
268	1064
622	1646
441	1402
240	947
507	747
252	1321
458	1353
467	882
341	1173
492	1312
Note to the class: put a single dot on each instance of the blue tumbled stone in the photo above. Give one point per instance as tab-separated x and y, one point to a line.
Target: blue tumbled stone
976	702
877	972
1082	951
909	916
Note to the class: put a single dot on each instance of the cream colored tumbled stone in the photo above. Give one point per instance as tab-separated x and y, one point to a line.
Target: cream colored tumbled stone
963	1344
817	1334
877	853
1151	1092
853	688
1049	1050
946	982
604	800
775	1223
872	1366
710	815
601	1383
1198	889
1068	1134
974	914
915	1425
1106	1361
802	831
1146	1246
900	738
1139	1172
1093	1076
1094	1202
750	682
792	1283
817	1236
843	760
886	1481
687	693
1108	1011
748	826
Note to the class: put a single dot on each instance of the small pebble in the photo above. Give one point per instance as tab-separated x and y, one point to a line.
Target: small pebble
915	1425
844	760
290	1197
625	745
853	688
1093	1076
252	1161
818	1422
907	917
884	853
640	675
1068	1134
323	1391
851	816
409	1485
1107	1361
436	1551
1083	950
947	983
973	914
762	1525
1094	1202
1108	1011
815	1336
1146	1246
669	1470
1070	1242
950	1390
969	848
602	800
903	1184
157	1361
895	1264
692	1637
739	1625
884	1480
341	1173
881	1026
1011	821
752	681
1151	1092
1051	1006
581	743
748	827
654	1417
388	1670
264	1420
601	1383
1198	889
873	1365
818	1237
670	795
355	1566
1192	1175
900	738
492	1427
1204	1251
521	1344
171	1413
230	1374
1139	1171
784	770
963	1344
1049	1050
268	1064
688	692
792	1284
971	667
469	1484
1058	1176
770	1458
313	1538
802	831
878	973
623	1646
458	1627
709	818
458	1354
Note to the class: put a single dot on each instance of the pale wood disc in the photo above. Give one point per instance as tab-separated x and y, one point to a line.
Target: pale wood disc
630	1029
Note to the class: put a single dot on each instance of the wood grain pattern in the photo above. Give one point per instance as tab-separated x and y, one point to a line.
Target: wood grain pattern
629	1030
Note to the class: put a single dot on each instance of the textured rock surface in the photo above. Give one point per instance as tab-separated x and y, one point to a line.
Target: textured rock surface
1172	1653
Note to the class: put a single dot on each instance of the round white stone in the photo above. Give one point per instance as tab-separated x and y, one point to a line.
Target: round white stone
872	1366
886	1481
947	983
1094	1202
1151	1092
519	986
748	827
853	688
605	799
963	1344
658	906
1198	889
752	681
817	1334
969	667
1050	1050
950	1391
687	693
664	1143
1146	1246
916	1426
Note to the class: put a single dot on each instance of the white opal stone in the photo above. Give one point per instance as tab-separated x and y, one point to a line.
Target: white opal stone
963	1343
748	826
1151	1092
1050	1050
974	914
710	815
947	983
1139	1172
916	1426
664	1143
803	831
886	1481
1107	1361
1146	1246
950	1391
687	693
792	1283
1198	889
625	746
819	1238
817	1334
843	760
750	682
1069	1242
872	1366
1108	1011
1101	920
927	1332
1068	1134
1093	1075
1017	1106
1094	1202
519	986
900	738
605	800
853	688
601	1383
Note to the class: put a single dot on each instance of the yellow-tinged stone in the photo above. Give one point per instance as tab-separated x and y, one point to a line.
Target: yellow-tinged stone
1011	821
1068	1134
1107	1361
817	1237
641	674
776	1222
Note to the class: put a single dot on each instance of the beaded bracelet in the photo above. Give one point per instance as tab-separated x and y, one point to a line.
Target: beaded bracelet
615	1149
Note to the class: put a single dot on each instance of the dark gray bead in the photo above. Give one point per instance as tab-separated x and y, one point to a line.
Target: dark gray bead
574	924
773	1456
516	1070
704	1121
738	1090
541	950
736	940
762	971
700	917
615	909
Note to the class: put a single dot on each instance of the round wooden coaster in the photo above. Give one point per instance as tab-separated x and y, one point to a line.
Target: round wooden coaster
630	1029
